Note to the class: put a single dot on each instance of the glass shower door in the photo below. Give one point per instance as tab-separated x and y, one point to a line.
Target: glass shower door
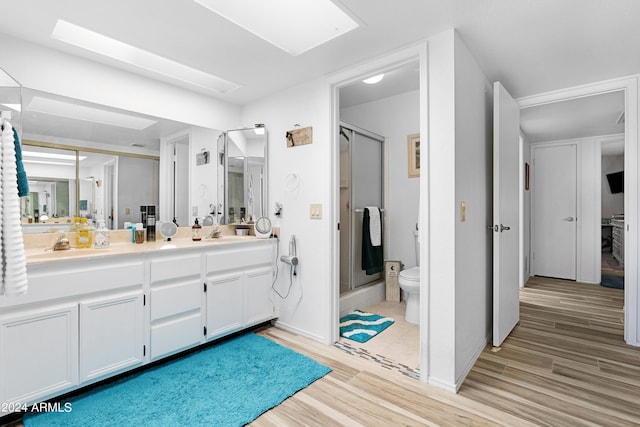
361	185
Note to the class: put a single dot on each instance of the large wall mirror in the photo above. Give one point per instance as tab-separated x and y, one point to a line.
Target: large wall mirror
243	153
88	160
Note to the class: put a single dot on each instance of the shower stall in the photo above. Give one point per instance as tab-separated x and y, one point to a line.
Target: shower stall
361	185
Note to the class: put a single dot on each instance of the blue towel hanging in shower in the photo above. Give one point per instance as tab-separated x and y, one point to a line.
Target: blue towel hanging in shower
372	259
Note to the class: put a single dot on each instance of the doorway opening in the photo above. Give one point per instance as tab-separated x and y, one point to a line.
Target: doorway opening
613	100
373	124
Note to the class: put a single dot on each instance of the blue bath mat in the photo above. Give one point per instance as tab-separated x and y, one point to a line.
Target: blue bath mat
361	326
616	282
229	384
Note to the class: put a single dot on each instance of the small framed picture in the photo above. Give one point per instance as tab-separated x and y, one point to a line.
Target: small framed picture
413	141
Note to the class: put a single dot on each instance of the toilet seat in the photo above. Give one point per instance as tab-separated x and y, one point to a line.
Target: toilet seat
410	275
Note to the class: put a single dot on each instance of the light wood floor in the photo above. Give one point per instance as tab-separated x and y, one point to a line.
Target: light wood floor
565	364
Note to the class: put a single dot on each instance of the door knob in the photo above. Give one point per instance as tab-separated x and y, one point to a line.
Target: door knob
504	228
569	218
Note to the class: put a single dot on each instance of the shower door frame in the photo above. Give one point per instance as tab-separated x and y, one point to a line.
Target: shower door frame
352	210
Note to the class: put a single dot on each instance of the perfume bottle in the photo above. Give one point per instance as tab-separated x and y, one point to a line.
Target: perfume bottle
195	231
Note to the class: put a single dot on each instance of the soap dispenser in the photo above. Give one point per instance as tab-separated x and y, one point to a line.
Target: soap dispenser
195	231
102	235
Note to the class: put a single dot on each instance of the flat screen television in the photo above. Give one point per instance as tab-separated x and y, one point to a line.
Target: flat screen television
616	182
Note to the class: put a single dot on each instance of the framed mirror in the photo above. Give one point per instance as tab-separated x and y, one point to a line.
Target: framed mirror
243	155
88	160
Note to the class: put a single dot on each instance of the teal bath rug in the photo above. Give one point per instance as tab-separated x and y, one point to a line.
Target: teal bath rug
229	384
616	282
361	327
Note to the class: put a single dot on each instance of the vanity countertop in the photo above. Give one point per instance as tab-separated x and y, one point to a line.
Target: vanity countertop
38	249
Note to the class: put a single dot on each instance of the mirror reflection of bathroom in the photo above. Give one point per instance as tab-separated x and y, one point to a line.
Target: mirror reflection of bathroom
243	195
376	121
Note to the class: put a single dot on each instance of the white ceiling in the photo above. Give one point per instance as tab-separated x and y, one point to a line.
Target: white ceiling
530	46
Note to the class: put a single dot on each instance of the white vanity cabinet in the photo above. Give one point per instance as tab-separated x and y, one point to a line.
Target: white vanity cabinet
79	321
39	354
175	303
239	294
83	320
111	335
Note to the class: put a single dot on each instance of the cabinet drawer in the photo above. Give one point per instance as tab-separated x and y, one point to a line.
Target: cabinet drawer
165	268
175	335
174	299
239	258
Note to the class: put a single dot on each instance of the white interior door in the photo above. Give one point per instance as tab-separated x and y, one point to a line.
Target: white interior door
554	211
506	213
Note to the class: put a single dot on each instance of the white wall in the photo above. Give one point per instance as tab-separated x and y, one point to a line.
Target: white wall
473	186
459	171
612	204
308	308
204	178
441	171
395	118
137	176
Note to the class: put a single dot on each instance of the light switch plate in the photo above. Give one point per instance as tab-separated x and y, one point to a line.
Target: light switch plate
315	211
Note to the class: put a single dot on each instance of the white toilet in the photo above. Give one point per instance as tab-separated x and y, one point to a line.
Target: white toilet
409	281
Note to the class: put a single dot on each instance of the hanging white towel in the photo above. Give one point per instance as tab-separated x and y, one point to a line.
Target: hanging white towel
14	272
375	225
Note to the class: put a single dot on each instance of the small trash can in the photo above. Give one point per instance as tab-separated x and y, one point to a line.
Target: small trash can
391	276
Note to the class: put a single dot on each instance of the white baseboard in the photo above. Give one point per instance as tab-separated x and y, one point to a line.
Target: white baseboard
476	354
297	331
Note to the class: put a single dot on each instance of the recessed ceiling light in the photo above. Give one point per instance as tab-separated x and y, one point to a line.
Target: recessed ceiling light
103	45
54	107
294	26
373	80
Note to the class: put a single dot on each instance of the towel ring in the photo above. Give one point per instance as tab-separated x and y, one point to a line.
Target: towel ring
291	181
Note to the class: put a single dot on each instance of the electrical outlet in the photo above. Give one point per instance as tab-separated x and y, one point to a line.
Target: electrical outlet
315	211
127	211
194	211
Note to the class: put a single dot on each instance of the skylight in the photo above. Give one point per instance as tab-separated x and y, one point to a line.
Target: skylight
103	45
81	112
294	26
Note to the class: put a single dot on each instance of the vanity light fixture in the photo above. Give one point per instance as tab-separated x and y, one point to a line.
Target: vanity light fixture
373	80
163	68
294	26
